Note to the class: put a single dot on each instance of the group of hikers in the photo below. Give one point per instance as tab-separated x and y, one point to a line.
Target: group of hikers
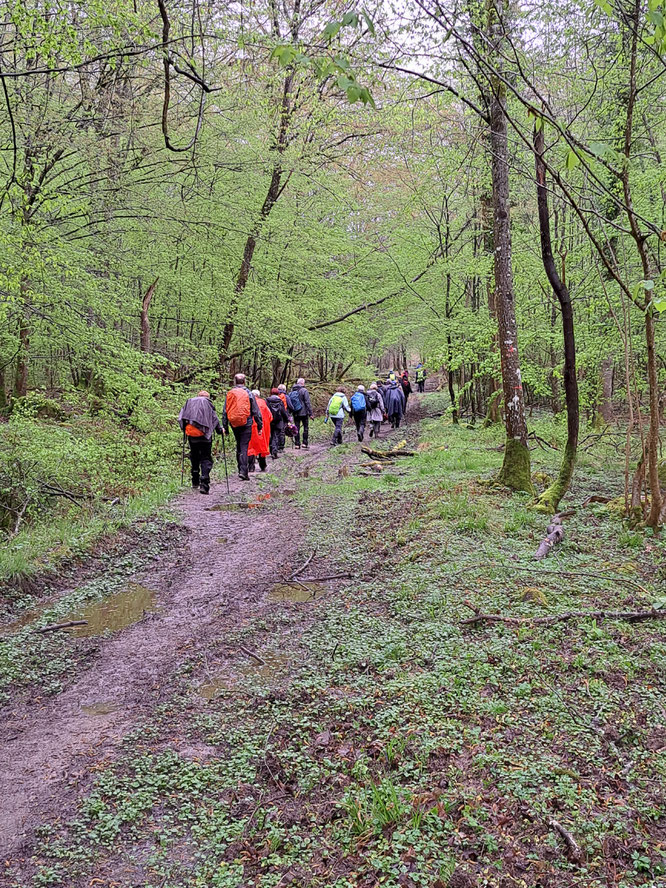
261	425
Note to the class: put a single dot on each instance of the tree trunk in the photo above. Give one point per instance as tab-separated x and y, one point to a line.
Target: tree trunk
23	357
550	498
275	189
145	323
515	472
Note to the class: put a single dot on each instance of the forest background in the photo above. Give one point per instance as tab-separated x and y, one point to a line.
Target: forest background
309	188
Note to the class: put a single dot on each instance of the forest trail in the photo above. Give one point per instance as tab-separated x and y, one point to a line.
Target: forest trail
205	589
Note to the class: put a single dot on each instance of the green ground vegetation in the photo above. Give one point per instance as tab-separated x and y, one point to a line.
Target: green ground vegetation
395	745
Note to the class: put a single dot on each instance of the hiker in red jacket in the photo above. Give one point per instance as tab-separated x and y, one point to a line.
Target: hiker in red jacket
240	412
260	440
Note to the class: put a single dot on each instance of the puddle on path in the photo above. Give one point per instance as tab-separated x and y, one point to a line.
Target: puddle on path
272	664
100	708
295	591
25	619
114	613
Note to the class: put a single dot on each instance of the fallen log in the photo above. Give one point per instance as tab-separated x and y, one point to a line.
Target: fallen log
628	616
554	535
398	450
573	849
55	626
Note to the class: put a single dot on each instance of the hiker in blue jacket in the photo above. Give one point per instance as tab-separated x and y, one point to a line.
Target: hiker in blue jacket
395	403
359	408
336	409
298	401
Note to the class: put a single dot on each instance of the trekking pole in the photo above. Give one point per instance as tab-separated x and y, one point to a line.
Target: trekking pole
182	464
224	456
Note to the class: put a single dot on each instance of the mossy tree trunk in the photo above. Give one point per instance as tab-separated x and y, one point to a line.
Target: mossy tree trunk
550	498
515	472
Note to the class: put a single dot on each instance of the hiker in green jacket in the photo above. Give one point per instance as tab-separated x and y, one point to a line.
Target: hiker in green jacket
337	407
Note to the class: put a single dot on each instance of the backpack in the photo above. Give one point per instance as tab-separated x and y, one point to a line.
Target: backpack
335	405
358	402
238	407
275	408
295	401
373	399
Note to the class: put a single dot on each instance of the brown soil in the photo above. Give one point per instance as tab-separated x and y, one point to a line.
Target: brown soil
206	587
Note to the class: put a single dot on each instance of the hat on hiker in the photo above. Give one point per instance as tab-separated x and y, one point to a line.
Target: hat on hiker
373	385
203	394
300	381
361	388
239	379
282	387
275	391
256	393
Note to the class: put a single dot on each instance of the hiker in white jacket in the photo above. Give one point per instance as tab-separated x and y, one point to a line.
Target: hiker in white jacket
337	407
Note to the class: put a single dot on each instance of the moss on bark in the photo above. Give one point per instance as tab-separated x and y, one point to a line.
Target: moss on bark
515	472
550	498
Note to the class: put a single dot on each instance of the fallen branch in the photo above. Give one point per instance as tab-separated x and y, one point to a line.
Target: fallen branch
341	576
398	450
573	848
628	616
55	626
252	654
303	567
615	578
596	498
541	441
554	536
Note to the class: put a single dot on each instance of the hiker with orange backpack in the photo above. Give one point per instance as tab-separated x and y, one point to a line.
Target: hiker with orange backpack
259	447
240	412
198	421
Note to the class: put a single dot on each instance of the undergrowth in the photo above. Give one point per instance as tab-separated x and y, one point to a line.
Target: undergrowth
401	747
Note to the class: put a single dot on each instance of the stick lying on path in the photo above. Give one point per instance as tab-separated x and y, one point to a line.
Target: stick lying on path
302	568
54	626
629	616
252	654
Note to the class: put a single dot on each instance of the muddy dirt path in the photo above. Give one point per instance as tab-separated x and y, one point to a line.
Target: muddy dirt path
50	747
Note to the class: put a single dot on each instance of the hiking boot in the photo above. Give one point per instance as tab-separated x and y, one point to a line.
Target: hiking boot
244	477
306	447
297	446
195	483
371	432
204	490
359	436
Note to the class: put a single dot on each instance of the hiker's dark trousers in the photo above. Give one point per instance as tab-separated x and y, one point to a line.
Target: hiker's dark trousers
305	421
359	419
394	419
242	434
337	430
276	442
376	426
421	385
202	460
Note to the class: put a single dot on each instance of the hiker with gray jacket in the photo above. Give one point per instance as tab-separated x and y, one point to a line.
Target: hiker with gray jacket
198	420
376	409
336	409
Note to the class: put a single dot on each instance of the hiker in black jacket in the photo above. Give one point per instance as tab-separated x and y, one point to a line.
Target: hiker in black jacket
280	419
301	409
